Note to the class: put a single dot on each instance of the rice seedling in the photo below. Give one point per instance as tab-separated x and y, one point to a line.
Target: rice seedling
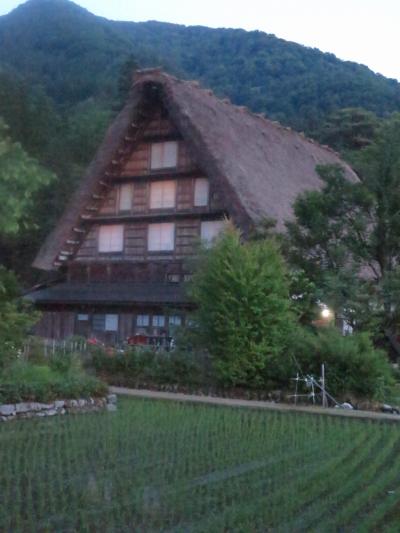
160	466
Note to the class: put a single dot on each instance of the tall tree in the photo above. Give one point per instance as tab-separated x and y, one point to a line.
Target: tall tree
244	311
347	236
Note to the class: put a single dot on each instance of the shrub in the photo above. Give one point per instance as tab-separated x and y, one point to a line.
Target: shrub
244	310
352	364
145	365
16	318
24	381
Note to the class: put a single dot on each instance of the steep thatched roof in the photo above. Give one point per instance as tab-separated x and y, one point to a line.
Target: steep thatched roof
260	165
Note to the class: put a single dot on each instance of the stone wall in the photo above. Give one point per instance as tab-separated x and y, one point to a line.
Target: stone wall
17	411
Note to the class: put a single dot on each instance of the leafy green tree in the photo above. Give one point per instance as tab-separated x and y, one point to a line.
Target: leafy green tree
244	310
20	178
346	237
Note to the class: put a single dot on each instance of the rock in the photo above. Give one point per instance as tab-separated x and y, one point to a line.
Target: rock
82	403
23	407
37	406
73	403
389	409
59	404
112	398
346	405
7	409
111	407
51	412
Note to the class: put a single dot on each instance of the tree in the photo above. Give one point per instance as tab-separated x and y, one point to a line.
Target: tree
20	178
346	237
244	310
350	128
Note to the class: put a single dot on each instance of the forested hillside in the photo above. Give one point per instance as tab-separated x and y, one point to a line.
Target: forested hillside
65	72
75	55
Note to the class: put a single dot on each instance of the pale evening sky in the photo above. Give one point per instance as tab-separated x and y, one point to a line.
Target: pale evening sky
365	31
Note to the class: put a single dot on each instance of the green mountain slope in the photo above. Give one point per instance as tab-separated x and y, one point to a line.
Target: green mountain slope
75	55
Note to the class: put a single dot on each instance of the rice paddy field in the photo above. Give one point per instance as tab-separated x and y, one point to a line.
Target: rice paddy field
163	466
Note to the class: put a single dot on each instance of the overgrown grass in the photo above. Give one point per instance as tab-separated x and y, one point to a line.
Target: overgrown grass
155	466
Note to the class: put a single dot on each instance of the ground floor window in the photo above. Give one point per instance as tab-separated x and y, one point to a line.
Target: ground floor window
175	320
105	322
143	321
158	321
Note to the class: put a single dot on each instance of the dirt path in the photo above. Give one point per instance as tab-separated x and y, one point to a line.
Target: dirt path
253	404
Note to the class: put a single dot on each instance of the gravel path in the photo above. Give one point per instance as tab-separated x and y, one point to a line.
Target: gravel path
253	404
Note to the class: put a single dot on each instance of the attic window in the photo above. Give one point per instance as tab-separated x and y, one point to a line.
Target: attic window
201	192
164	155
111	238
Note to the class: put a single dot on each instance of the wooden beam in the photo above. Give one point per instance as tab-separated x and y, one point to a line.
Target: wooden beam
78	230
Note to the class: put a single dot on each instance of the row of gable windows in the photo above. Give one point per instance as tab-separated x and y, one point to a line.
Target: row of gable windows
163	194
160	236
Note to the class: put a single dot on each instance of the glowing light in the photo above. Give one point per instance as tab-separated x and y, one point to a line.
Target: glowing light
326	313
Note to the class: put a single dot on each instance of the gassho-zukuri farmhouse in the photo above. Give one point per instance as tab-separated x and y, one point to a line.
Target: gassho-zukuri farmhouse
173	165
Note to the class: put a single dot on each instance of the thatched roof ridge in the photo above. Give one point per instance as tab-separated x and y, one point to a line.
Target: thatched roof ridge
260	165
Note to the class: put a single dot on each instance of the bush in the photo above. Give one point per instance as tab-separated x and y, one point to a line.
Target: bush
352	365
244	311
23	381
144	365
16	318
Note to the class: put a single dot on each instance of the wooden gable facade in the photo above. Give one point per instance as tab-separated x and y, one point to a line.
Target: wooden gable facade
142	227
174	164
